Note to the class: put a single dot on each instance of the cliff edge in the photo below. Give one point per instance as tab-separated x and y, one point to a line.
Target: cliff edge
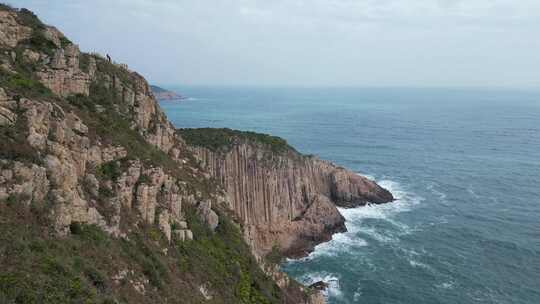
282	198
103	201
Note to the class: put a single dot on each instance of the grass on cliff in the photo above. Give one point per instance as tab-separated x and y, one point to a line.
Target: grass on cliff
224	139
224	261
37	40
39	268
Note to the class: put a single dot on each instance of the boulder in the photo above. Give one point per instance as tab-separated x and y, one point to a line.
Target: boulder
204	210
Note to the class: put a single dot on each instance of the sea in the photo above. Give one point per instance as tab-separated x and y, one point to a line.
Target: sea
463	164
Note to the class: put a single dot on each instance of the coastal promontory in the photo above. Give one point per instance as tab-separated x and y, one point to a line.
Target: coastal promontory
102	200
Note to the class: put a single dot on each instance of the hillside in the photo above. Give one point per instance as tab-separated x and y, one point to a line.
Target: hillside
103	201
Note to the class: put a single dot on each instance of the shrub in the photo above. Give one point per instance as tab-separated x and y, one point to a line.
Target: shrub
65	41
274	257
84	62
96	278
40	43
75	228
24	85
110	170
28	18
13	143
224	139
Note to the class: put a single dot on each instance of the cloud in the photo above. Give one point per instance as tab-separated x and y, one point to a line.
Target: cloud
315	42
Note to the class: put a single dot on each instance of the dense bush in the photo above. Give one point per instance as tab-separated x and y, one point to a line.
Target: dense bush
109	170
23	84
224	139
224	261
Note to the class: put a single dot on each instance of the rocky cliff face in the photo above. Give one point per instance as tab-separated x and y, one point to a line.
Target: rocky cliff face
83	143
65	154
281	197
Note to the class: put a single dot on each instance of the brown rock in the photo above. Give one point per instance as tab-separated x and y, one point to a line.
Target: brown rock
273	195
10	31
204	210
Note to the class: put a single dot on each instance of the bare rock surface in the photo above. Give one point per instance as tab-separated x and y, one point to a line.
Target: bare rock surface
286	198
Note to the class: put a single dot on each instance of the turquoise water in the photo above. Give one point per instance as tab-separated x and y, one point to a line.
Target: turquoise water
464	165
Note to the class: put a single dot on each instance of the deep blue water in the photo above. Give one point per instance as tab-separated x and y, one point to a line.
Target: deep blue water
463	163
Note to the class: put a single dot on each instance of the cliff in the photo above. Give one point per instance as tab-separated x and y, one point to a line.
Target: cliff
165	95
103	201
281	197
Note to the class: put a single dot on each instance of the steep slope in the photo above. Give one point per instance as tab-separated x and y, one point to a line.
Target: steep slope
99	196
282	198
103	201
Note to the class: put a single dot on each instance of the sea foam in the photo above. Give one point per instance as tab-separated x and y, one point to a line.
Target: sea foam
352	239
332	280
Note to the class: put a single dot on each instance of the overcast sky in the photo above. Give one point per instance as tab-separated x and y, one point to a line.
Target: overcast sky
310	42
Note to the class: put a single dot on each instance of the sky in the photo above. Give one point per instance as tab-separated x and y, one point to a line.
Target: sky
417	43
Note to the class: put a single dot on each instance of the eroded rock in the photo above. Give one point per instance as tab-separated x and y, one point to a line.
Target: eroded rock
204	210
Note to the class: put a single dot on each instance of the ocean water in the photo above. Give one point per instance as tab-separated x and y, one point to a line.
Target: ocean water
464	165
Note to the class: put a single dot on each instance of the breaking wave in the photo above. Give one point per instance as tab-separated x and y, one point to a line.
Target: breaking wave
355	237
333	290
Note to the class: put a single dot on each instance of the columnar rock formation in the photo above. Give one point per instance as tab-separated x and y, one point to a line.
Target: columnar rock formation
283	198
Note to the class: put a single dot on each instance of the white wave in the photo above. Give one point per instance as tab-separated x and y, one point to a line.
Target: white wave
404	203
446	285
352	239
471	192
417	264
357	295
413	256
442	196
378	235
368	176
341	242
332	280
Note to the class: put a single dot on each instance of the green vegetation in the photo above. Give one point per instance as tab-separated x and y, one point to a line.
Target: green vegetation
40	43
65	42
28	18
23	84
110	69
39	268
113	128
84	62
36	269
224	261
110	170
13	143
225	139
5	7
275	257
37	41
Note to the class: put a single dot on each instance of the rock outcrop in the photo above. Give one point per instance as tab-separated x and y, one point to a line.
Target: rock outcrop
11	31
283	198
71	153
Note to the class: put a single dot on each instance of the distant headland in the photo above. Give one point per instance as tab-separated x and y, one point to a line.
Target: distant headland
164	94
